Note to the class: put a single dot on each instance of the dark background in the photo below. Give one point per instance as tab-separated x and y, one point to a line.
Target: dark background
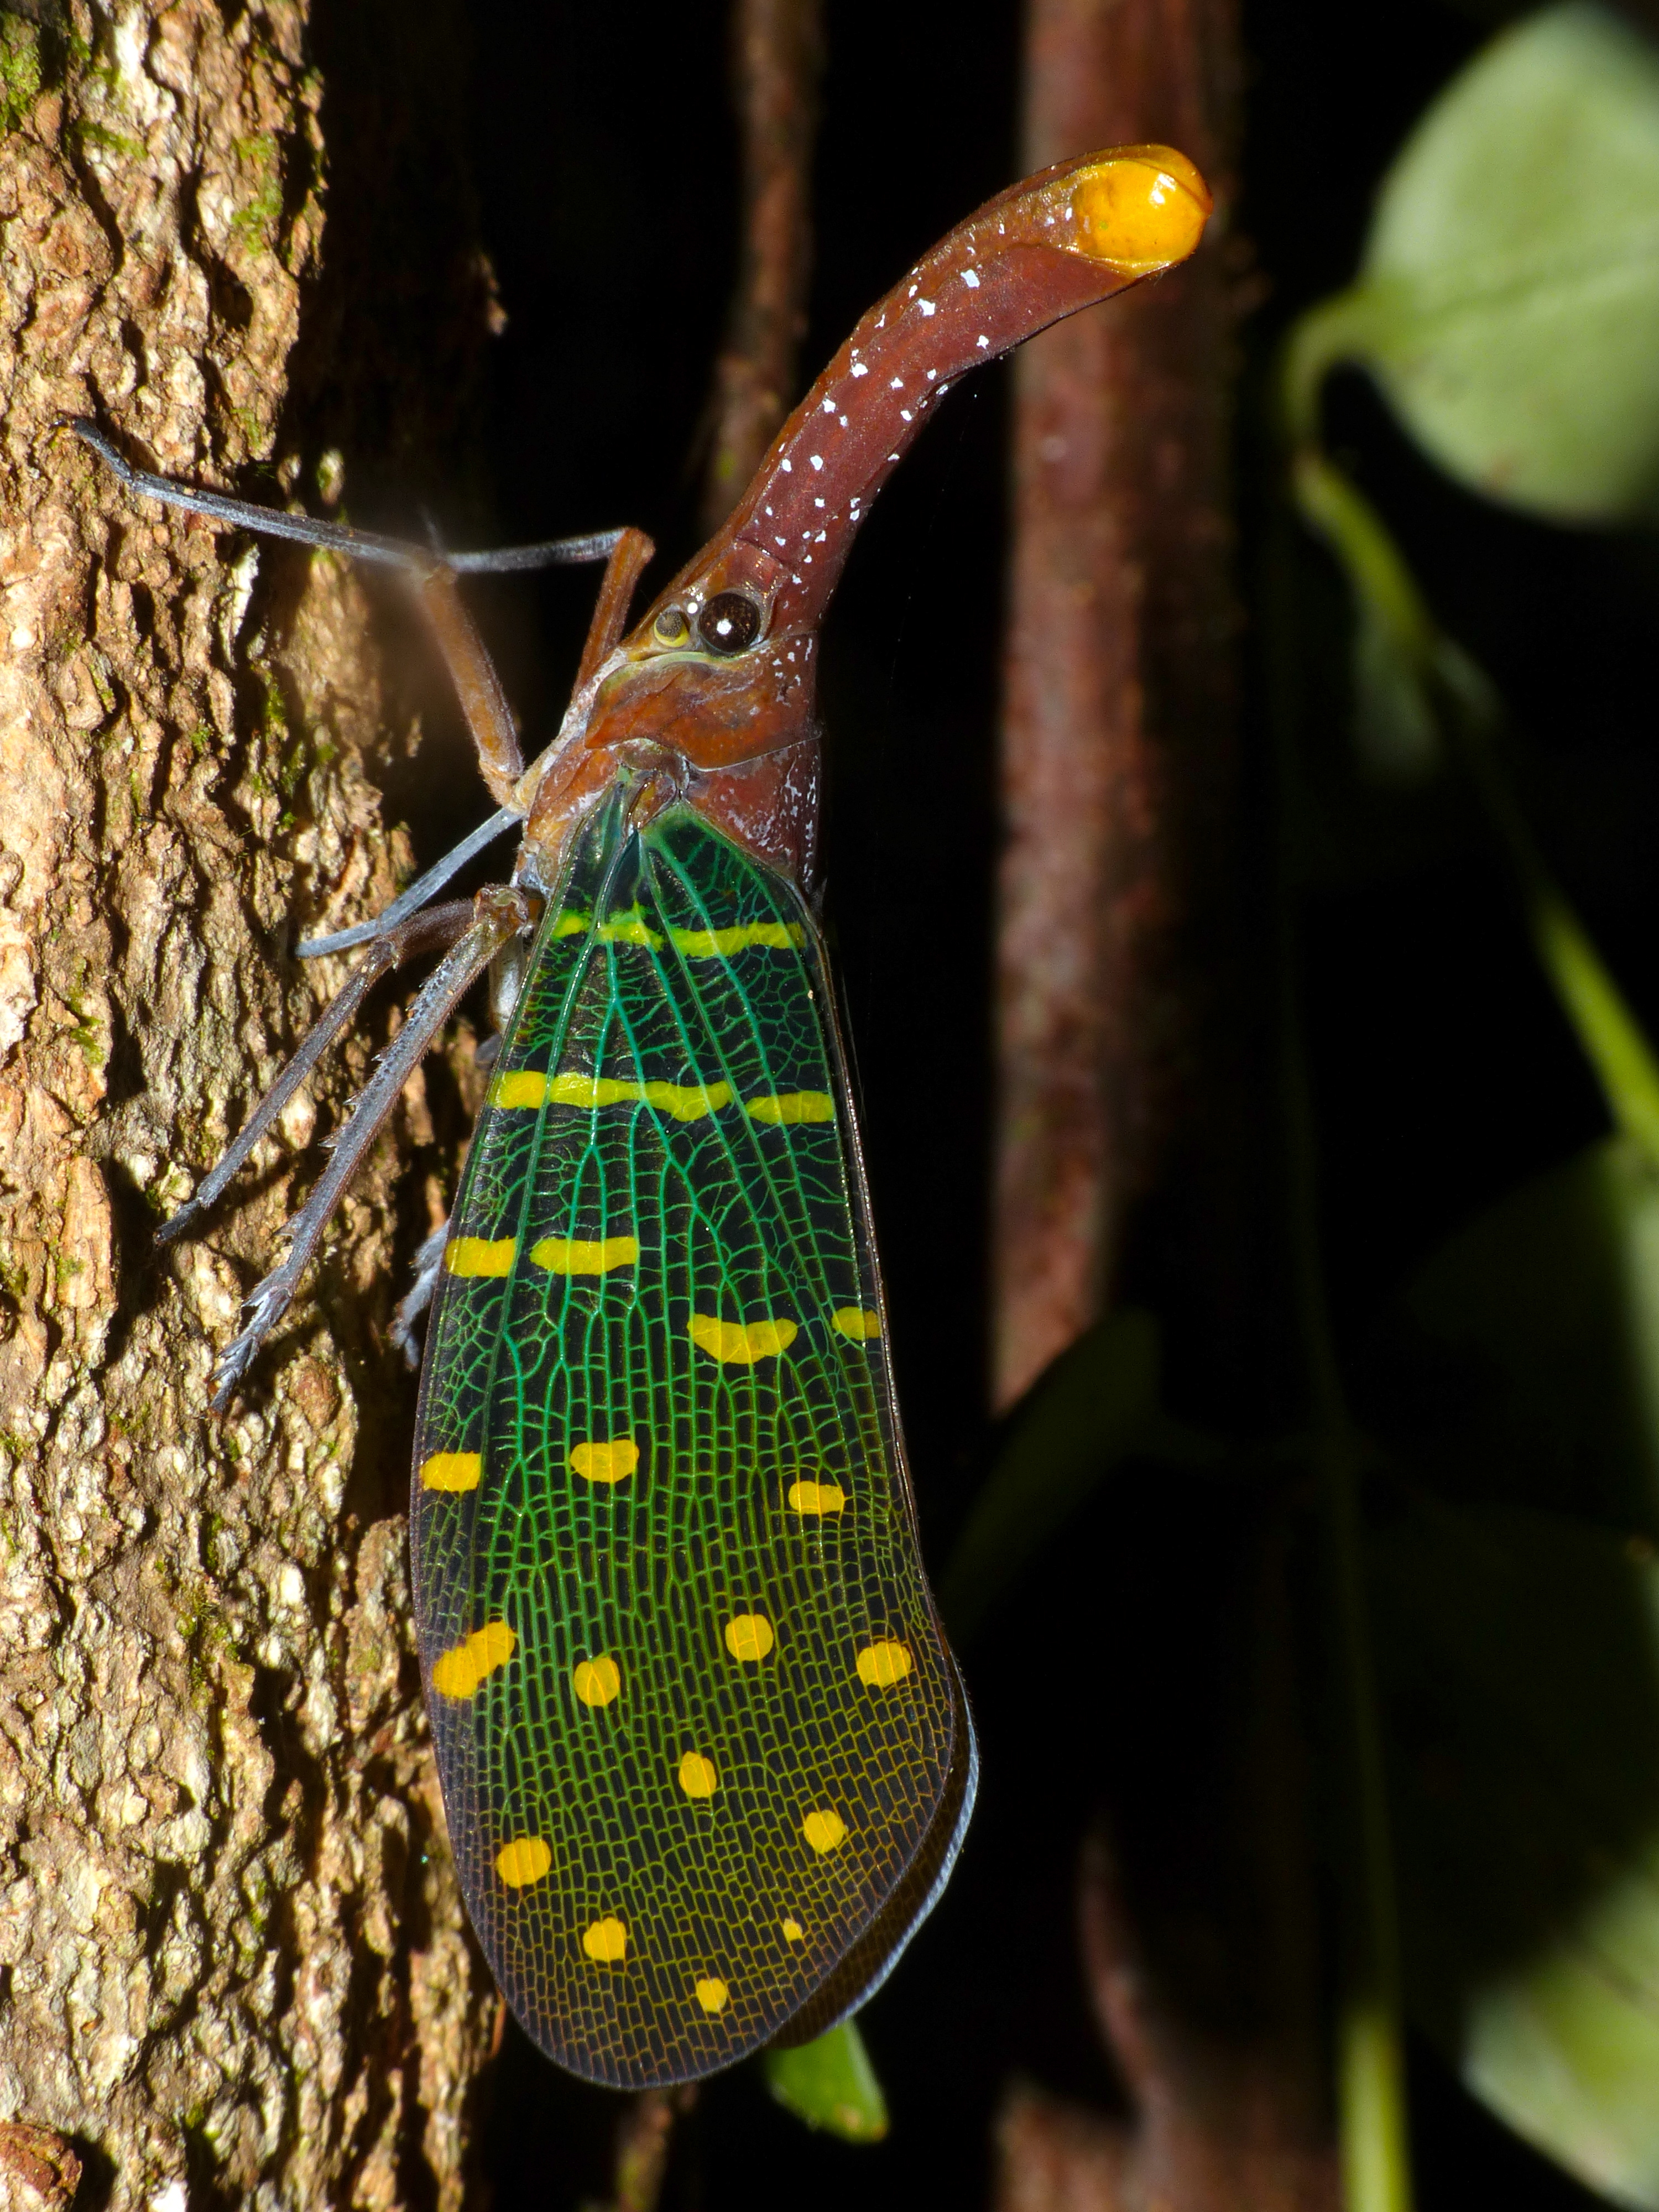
602	142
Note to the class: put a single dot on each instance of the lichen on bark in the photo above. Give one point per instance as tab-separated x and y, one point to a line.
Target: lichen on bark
232	1952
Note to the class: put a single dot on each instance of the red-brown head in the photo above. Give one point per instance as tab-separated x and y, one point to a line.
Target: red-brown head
718	681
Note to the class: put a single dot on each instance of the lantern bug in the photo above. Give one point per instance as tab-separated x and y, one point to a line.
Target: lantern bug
706	1758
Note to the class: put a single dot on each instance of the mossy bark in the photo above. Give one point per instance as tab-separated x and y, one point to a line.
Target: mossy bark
231	1952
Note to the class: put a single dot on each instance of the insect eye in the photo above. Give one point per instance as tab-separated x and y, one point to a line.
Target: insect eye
670	627
730	623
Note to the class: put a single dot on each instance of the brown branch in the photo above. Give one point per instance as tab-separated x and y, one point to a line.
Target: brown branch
777	59
1200	1970
1119	734
645	2135
1133	1098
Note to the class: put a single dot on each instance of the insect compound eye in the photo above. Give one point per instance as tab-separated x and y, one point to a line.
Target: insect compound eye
670	627
730	623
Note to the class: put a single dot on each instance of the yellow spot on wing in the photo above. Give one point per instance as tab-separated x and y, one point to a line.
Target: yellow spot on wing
606	1462
629	928
712	1993
880	1665
740	1343
451	1471
856	1322
686	1101
697	1775
793	1932
749	1635
823	1830
816	1496
578	1255
572	925
780	1106
682	1101
596	1681
519	1086
572	1088
525	1860
720	944
480	1255
457	1674
606	1941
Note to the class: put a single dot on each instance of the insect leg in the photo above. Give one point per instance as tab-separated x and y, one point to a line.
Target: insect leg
473	672
423	935
478	687
422	888
628	558
499	915
429	1266
337	537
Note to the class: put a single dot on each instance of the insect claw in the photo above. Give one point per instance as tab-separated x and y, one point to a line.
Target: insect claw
176	1224
269	1302
428	1264
228	1371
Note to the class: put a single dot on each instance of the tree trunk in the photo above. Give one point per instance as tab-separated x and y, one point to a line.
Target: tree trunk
234	1955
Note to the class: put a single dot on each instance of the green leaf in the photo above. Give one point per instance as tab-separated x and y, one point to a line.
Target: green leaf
1524	1366
1508	300
829	2083
1519	1662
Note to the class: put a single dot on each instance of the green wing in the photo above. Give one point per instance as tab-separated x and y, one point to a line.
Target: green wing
704	1753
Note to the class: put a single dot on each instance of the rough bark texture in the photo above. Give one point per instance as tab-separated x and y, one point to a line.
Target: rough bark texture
1119	776
232	1954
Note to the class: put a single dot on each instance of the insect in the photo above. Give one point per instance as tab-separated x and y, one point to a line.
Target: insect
706	1757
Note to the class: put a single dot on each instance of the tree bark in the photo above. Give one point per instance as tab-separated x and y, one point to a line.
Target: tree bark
234	1960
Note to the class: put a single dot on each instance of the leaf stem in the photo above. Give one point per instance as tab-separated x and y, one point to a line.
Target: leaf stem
1372	2117
1467	708
1372	2106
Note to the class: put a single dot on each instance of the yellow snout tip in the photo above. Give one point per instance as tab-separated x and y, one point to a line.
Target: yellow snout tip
1140	207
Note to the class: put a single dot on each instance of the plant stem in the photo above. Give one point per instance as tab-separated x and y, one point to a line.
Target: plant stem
1372	2109
1370	2075
1466	706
